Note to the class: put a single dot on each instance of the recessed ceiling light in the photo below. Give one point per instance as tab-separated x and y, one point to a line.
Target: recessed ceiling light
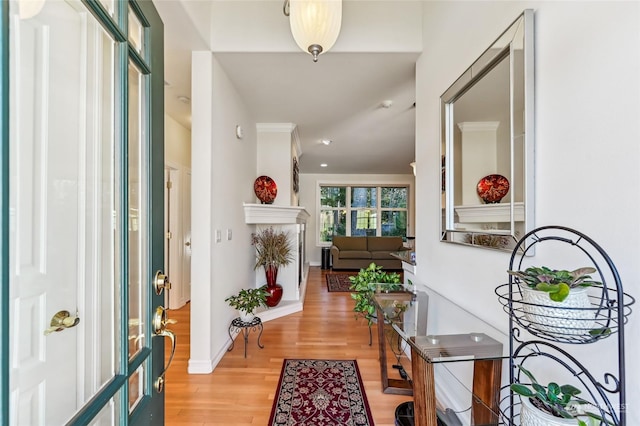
323	165
326	141
387	103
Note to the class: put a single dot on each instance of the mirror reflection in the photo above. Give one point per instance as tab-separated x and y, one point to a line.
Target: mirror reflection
487	123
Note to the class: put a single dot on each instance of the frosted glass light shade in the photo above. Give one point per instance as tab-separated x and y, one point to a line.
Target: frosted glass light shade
315	24
27	9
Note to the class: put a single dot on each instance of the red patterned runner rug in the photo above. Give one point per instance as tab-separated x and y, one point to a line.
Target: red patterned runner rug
338	282
314	392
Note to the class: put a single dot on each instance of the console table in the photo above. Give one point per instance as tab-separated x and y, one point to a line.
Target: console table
443	341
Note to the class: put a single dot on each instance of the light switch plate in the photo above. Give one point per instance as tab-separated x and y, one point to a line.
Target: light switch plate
229	234
218	235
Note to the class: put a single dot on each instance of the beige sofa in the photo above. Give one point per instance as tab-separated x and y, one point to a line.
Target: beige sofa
359	252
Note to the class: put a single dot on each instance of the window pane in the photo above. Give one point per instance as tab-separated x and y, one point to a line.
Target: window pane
394	197
137	225
110	6
136	386
136	31
333	196
363	222
394	223
363	197
332	222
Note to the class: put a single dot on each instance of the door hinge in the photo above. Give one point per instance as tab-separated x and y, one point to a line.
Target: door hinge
169	184
168	236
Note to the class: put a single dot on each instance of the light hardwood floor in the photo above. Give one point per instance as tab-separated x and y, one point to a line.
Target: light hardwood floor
241	391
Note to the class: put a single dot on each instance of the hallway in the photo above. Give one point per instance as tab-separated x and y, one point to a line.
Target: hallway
241	391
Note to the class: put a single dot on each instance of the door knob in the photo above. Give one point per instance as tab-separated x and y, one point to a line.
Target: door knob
160	282
60	321
160	322
188	244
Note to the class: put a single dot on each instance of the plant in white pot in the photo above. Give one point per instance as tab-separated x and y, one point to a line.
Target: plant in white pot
247	301
553	405
557	301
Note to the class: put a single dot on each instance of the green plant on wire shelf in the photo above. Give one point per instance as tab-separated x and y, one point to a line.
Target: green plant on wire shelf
558	400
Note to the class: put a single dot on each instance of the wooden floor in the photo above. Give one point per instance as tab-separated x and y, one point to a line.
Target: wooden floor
241	391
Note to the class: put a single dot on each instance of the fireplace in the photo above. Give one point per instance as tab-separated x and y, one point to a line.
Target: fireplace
289	219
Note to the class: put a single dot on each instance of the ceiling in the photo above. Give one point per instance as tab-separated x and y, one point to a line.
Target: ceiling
338	98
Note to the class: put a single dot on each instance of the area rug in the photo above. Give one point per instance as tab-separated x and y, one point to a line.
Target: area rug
338	282
314	392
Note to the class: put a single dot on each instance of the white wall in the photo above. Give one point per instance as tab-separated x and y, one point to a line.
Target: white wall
310	191
274	159
224	169
587	177
177	143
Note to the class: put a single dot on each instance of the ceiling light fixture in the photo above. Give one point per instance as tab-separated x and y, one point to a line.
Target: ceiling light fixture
387	103
326	141
323	165
27	9
315	24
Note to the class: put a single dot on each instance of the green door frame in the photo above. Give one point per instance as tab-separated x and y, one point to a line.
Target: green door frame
150	410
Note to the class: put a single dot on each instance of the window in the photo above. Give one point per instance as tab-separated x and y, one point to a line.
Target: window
362	210
393	205
333	219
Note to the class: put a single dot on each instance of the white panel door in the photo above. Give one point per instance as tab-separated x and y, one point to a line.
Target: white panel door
62	208
83	312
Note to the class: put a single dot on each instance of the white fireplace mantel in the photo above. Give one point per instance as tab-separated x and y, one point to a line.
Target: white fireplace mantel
293	276
267	214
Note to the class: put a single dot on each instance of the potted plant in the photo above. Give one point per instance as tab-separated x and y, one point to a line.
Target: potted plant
364	286
557	301
247	301
557	283
272	251
552	405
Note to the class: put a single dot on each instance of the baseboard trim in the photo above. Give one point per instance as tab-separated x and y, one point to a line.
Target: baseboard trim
201	366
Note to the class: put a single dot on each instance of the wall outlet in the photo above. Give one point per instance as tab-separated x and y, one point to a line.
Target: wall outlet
218	235
229	234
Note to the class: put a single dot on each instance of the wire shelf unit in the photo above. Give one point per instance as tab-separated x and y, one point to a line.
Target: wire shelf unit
540	327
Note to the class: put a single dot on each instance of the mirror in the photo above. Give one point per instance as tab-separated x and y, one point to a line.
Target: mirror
487	144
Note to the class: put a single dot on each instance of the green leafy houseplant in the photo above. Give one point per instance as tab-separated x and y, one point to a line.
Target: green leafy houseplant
557	283
364	286
248	300
558	400
272	248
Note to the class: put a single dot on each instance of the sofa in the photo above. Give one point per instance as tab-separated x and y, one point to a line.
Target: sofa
359	252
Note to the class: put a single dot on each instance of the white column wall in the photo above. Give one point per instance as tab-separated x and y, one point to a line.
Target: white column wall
224	169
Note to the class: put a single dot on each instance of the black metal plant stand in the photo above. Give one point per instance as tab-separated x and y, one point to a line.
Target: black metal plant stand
245	327
536	338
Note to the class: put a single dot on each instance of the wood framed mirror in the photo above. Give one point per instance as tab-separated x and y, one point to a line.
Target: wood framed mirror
488	143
